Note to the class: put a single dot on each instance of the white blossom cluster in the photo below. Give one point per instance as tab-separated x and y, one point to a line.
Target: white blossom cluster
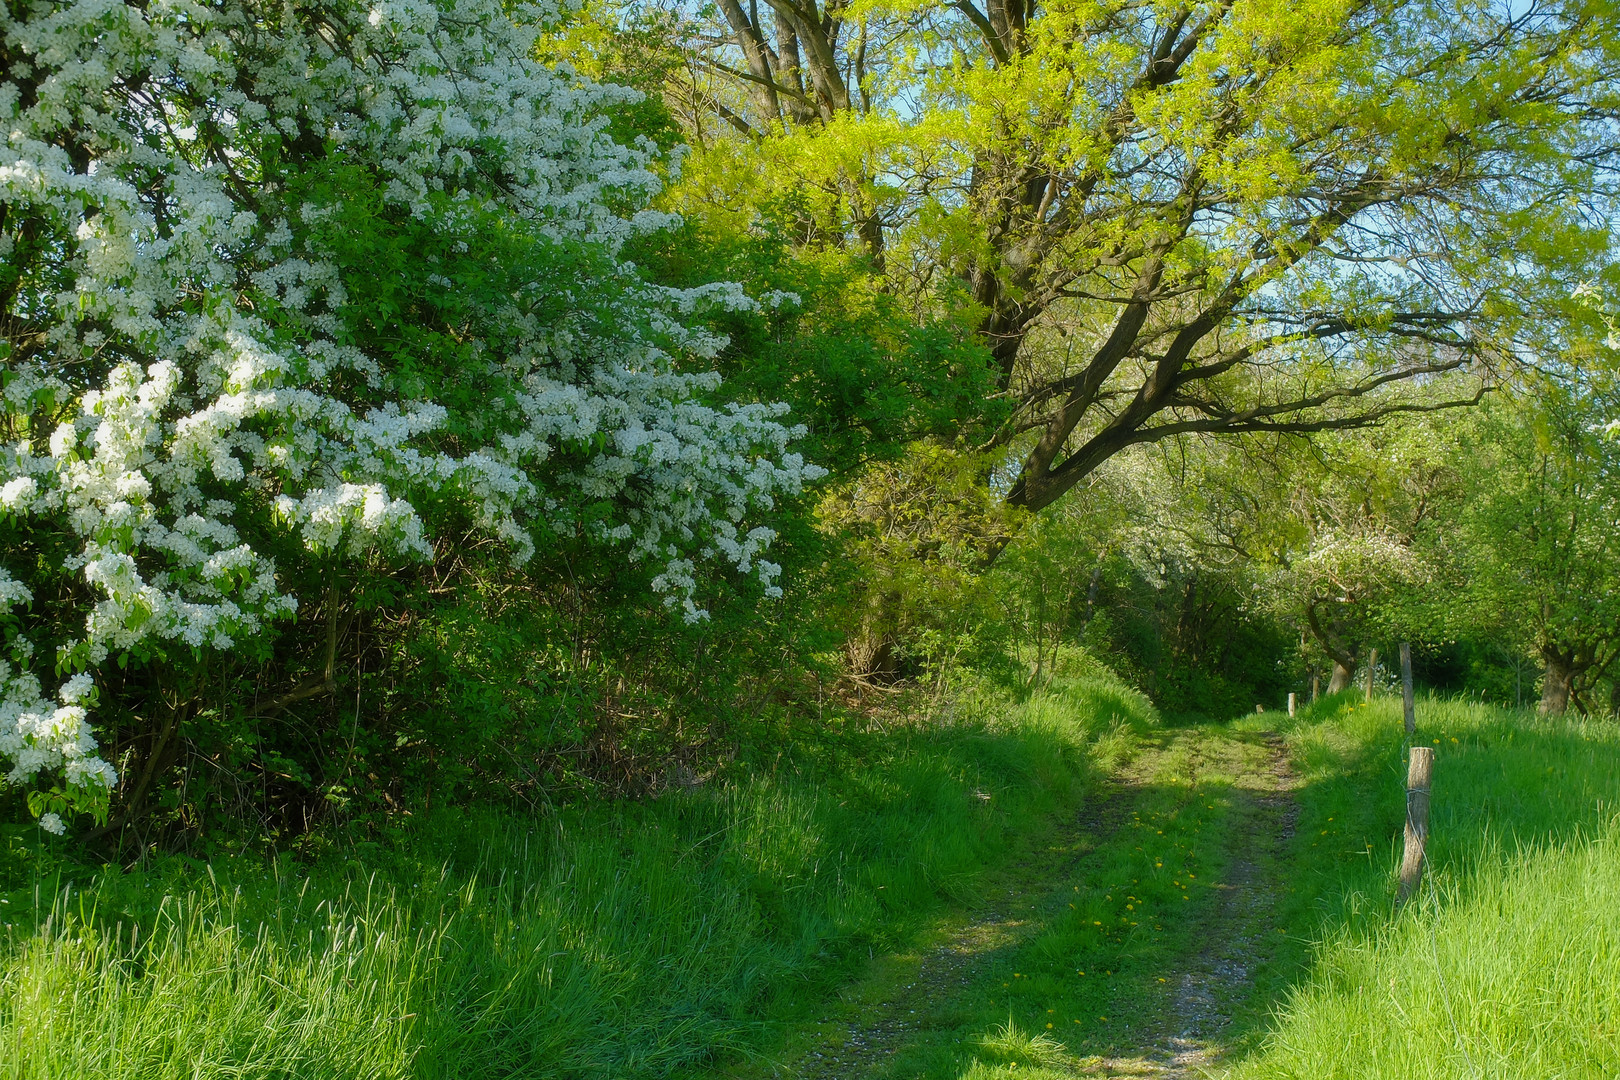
184	389
1349	563
38	733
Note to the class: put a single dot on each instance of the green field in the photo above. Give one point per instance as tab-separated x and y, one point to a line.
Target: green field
622	940
1071	848
1508	962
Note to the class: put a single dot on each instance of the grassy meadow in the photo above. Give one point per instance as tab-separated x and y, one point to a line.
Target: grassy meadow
1507	965
720	925
1508	962
619	940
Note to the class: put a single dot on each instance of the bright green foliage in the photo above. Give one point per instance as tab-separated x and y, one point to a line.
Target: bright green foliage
1537	533
1045	587
1222	572
859	371
863	368
1128	568
1332	530
919	530
1167	218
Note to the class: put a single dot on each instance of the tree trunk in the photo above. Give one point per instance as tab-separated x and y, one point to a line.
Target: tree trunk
1339	653
1557	684
1091	597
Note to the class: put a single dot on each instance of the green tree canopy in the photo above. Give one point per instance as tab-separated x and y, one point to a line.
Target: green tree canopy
1170	218
1538	531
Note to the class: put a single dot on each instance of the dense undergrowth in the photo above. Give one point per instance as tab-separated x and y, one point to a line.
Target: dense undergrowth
1508	962
618	939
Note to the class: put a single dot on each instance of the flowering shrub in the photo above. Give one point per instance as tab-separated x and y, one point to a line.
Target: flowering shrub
331	274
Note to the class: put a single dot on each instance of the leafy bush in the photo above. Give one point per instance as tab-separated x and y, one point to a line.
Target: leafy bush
294	302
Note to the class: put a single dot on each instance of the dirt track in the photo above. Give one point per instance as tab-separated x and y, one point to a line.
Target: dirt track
1186	1033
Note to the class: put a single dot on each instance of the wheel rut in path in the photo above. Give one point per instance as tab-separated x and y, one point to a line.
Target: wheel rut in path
952	966
1217	979
1209	981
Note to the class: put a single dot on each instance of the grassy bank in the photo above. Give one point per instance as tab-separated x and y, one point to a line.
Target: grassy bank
1147	923
620	940
1508	964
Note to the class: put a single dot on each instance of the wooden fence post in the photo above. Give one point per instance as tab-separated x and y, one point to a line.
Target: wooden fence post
1406	689
1293	703
1419	774
1316	686
1372	665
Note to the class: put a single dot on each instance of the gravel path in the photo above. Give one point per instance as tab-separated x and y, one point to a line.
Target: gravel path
1218	976
1211	979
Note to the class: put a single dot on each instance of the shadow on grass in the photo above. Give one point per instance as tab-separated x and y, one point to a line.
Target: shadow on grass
621	940
1119	993
1086	964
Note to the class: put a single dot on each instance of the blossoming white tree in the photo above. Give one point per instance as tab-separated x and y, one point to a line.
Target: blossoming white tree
304	279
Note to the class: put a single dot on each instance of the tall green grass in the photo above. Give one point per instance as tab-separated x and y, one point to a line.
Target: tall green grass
1508	962
613	941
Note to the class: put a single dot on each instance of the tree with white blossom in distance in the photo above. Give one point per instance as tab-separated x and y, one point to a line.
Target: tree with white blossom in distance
300	281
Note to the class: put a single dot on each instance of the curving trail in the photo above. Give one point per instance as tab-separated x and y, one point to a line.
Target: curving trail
992	995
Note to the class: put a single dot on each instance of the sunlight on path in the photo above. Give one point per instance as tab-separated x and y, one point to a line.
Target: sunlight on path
1123	947
1234	936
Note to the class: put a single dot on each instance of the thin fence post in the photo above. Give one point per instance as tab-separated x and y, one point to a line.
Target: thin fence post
1372	665
1419	774
1293	703
1406	689
1316	686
